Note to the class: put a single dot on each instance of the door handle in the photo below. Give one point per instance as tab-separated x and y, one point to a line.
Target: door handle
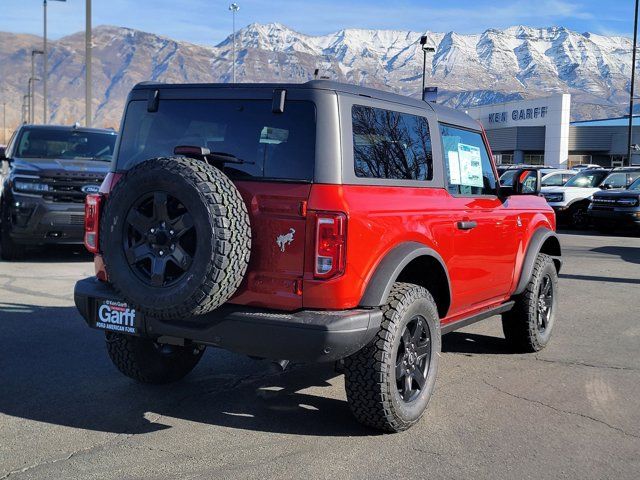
467	224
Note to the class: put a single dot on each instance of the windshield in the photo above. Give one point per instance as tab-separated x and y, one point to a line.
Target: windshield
63	144
587	179
267	144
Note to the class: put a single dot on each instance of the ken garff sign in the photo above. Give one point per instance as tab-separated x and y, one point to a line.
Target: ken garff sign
519	114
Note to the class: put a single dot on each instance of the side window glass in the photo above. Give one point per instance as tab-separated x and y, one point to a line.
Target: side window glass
616	180
391	145
468	166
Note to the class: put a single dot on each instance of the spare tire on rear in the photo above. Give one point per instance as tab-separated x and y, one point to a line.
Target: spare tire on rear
175	237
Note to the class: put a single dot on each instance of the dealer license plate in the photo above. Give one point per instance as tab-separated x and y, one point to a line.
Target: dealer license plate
116	317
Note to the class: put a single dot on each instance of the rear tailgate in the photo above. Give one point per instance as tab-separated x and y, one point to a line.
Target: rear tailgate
276	267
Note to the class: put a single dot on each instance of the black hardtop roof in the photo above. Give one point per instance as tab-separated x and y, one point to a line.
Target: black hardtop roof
69	128
444	114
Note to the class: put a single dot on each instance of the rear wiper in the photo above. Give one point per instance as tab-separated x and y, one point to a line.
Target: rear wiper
205	154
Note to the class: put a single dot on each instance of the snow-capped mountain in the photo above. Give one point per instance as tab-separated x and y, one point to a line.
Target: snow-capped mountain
496	65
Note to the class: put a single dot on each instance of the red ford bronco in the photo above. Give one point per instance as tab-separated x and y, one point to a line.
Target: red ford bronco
313	222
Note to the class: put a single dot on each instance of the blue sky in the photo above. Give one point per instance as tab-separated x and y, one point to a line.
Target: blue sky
209	21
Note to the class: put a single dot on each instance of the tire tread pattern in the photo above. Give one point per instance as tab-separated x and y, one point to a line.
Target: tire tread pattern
138	359
368	373
520	323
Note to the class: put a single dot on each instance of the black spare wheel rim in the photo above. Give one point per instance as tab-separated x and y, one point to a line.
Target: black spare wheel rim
413	359
160	239
544	307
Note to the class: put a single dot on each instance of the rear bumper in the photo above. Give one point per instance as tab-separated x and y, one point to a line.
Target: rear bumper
307	335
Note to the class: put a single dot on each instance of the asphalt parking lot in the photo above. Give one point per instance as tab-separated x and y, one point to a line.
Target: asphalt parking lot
572	411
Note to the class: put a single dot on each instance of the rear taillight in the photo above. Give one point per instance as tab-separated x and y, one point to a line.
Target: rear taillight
92	221
330	248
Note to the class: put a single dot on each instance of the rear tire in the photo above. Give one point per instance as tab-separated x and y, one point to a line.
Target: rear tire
9	249
380	378
528	326
148	362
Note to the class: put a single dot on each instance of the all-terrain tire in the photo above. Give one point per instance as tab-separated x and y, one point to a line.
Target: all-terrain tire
370	374
147	362
9	249
219	224
522	326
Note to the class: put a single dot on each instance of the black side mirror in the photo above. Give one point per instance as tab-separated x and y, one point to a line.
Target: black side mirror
527	182
3	155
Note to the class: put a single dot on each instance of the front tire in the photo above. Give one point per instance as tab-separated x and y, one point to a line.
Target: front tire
390	381
579	216
528	326
149	362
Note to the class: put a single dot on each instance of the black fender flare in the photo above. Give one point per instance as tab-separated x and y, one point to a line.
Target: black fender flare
538	239
389	269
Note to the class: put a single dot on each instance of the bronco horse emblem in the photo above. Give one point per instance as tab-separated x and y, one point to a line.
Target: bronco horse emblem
285	239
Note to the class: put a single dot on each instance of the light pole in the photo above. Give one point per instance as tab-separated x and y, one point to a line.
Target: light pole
30	109
233	8
4	122
25	99
87	47
32	99
426	47
633	81
45	73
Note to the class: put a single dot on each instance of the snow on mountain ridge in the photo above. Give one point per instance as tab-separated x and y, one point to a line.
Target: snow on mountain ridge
469	69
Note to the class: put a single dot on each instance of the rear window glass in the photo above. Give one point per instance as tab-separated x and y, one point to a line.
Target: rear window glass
270	145
391	145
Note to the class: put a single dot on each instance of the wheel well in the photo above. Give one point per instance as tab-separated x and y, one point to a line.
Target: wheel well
551	247
428	273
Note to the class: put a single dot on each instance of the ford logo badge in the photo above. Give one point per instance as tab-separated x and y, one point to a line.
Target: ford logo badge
90	189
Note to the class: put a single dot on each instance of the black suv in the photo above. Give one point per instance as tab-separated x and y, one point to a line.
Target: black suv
616	208
46	173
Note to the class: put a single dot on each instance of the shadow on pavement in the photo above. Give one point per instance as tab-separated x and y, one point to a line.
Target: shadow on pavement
462	342
628	254
54	369
597	278
55	254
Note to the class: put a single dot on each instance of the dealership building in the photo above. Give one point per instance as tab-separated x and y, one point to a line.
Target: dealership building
540	132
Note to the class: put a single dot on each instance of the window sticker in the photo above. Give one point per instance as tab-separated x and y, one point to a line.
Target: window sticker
454	168
470	164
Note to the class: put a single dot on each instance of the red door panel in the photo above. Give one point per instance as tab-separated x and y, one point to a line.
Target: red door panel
483	257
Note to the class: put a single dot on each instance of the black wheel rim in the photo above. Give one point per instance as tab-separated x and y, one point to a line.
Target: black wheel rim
545	304
159	239
413	359
580	217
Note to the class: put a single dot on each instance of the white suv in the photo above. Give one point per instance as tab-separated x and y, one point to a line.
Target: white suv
571	201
